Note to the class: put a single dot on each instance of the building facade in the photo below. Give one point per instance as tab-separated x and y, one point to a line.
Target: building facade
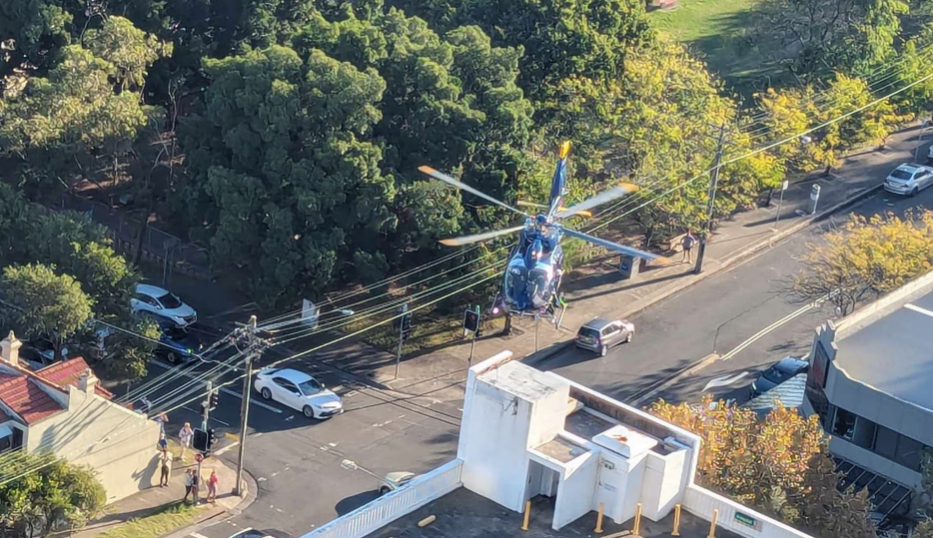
870	384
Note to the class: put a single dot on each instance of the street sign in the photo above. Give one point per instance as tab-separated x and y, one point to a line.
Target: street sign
784	185
199	457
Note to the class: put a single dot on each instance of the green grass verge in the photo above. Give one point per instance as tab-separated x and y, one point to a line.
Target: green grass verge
166	520
722	33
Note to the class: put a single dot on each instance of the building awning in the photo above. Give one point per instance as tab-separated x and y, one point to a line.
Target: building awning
887	496
5	431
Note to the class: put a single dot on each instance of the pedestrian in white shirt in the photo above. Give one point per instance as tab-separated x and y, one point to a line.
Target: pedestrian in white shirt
185	436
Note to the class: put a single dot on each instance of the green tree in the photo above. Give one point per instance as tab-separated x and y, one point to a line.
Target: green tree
815	36
44	303
130	50
866	258
56	495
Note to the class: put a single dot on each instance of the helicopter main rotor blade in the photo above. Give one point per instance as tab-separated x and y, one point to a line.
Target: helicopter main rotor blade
476	238
599	199
463	186
529	204
629	251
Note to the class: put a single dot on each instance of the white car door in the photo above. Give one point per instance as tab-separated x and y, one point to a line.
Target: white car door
927	178
286	392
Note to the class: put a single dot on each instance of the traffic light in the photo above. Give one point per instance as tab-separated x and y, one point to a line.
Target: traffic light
406	326
214	398
470	320
211	438
200	440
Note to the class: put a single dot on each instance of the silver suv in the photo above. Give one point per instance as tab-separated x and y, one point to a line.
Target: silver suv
599	334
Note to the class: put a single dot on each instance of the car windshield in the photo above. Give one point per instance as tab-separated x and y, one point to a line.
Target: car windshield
311	386
586	331
901	174
170	301
775	375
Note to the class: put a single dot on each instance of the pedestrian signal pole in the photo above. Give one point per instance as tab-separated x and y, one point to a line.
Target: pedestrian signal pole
714	181
471	322
206	406
404	329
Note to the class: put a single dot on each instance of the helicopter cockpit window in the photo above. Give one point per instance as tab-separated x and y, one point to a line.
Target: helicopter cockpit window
538	288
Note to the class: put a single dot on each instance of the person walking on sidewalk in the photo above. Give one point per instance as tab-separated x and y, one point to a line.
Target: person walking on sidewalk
212	487
688	243
189	483
185	436
165	464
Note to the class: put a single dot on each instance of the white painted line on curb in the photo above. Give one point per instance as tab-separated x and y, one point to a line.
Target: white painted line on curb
226	448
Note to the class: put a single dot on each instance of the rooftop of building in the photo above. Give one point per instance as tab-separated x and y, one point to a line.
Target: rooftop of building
26	393
465	514
892	352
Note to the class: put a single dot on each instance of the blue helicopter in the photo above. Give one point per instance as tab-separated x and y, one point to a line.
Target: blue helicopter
531	285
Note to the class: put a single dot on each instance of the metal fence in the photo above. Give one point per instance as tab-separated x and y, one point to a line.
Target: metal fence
386	509
157	246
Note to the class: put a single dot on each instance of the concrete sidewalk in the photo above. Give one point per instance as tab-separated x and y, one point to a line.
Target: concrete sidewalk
596	289
155	499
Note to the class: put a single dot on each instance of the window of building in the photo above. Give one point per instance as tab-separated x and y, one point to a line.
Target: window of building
864	433
886	442
844	424
818	400
908	452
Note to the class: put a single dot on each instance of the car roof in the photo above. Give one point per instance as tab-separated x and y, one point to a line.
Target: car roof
292	375
910	167
397	476
789	364
597	323
148	289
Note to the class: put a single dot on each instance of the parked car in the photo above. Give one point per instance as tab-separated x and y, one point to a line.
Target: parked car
159	302
177	345
909	179
299	391
395	480
599	334
778	373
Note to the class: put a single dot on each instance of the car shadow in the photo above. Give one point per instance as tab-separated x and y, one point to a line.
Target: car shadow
351	503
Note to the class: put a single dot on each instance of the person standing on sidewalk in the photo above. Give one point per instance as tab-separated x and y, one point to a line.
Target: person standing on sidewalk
688	243
185	436
212	487
189	483
165	464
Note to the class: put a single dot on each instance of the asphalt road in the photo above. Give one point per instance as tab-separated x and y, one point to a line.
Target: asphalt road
296	461
718	315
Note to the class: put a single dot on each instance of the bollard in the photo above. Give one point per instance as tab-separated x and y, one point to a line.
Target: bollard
637	528
676	531
712	524
527	515
427	521
599	520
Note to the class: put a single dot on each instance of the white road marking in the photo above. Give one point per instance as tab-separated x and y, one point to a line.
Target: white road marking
226	448
724	381
223	389
197	535
916	308
212	418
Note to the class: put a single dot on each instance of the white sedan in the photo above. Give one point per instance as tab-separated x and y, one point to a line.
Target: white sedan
159	302
299	391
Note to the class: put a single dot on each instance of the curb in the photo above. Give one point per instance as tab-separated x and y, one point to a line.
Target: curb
252	489
743	255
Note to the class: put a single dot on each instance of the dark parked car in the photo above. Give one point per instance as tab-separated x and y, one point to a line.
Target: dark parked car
599	334
778	373
177	345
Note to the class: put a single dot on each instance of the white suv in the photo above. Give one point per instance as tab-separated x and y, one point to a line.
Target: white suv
909	179
156	301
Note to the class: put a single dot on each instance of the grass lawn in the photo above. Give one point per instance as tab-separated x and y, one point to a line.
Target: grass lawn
172	517
718	31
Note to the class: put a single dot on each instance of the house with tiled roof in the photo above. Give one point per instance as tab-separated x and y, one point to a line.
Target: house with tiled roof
63	410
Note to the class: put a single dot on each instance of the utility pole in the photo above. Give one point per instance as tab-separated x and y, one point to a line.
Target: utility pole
714	181
401	337
255	350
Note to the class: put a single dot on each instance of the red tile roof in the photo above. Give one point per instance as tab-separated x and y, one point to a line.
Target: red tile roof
68	372
22	395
